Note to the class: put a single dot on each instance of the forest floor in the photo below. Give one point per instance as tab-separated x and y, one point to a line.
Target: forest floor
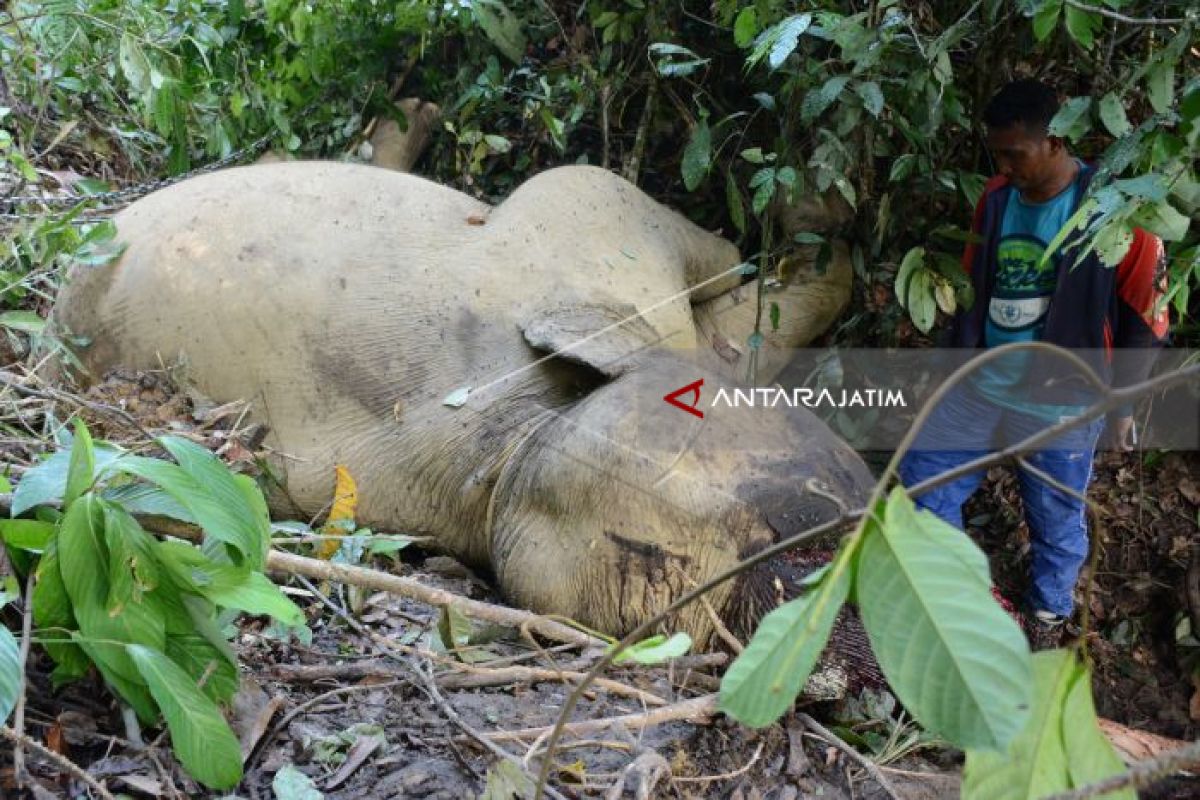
354	708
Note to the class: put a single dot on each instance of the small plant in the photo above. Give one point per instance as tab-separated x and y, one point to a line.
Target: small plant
144	611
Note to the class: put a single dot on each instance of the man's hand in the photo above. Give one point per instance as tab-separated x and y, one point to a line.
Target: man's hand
1121	433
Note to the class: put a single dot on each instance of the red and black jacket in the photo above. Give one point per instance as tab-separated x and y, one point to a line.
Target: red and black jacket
1093	308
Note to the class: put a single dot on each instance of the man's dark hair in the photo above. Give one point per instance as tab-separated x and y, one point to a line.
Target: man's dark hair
1028	102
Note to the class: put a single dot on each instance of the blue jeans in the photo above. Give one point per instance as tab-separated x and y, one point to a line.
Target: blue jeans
966	426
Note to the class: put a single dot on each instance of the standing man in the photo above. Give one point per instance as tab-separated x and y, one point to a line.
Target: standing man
1019	297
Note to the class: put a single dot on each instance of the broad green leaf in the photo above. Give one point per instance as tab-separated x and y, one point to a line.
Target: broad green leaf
1112	243
143	498
506	781
10	673
134	64
83	562
53	617
201	738
913	259
1152	187
211	494
656	649
454	628
81	470
957	661
501	26
697	156
1112	114
133	566
26	534
1090	755
200	659
921	305
816	101
1162	220
47	482
1160	86
1035	763
227	585
775	316
871	96
733	199
674	60
762	683
779	41
1077	221
23	321
1046	19
902	167
753	154
745	27
943	293
1072	120
1082	25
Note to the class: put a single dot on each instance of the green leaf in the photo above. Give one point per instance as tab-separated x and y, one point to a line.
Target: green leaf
943	293
290	783
745	27
133	566
23	321
506	781
669	66
775	316
212	495
502	27
1072	120
46	483
1046	19
656	649
1162	220
815	102
1112	114
134	64
697	156
954	658
227	585
1112	243
81	470
871	96
1035	763
202	740
201	660
779	41
754	155
1160	86
733	199
26	534
1090	755
921	304
52	609
10	673
762	683
902	167
913	259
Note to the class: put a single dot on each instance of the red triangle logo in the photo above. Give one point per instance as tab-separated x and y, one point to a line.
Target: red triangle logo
693	389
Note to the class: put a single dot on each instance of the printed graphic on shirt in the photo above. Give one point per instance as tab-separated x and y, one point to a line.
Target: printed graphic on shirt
1023	287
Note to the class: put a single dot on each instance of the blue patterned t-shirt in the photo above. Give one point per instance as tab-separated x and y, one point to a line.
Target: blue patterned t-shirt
1021	291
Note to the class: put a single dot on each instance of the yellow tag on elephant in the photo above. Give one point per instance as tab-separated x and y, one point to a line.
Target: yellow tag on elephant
341	515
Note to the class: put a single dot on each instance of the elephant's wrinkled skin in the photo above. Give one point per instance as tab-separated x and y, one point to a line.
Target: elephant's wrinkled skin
346	303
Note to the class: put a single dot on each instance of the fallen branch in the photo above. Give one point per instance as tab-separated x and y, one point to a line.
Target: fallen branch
60	761
474	676
698	709
858	758
366	578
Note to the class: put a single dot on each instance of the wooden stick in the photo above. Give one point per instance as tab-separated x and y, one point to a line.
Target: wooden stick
62	762
858	758
698	709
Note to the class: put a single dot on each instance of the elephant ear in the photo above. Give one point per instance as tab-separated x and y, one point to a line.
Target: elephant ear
609	337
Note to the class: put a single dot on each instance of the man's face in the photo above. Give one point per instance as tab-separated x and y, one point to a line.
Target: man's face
1026	158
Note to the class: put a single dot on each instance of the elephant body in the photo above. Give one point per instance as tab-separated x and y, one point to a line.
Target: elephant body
346	304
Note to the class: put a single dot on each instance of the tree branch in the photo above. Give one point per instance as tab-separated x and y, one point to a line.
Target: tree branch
1104	12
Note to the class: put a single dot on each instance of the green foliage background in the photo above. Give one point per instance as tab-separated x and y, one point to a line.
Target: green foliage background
717	108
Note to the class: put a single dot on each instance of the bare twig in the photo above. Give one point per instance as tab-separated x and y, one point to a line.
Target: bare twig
1104	12
634	165
724	776
1141	775
858	758
695	709
62	762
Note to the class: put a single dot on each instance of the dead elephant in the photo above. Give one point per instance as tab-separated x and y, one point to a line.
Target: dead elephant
492	376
